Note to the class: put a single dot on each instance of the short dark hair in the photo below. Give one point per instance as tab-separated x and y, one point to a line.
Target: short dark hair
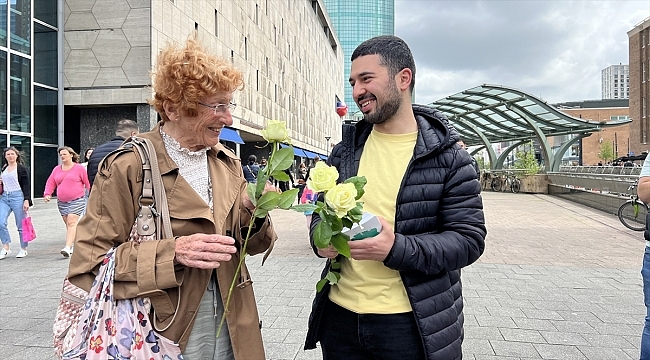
126	127
252	159
394	53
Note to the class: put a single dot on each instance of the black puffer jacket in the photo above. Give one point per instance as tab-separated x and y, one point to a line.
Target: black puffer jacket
439	228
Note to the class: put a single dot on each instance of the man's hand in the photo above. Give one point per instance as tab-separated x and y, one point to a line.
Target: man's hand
374	248
246	201
204	251
328	252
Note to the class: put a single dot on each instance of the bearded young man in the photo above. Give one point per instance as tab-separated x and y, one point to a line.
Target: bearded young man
399	296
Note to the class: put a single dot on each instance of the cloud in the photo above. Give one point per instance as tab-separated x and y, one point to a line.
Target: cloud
552	49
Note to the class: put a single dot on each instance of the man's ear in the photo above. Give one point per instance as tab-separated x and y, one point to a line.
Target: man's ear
171	111
404	79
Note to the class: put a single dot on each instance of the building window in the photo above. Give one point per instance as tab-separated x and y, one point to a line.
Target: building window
20	96
20	14
45	115
246	48
45	55
257	80
44	10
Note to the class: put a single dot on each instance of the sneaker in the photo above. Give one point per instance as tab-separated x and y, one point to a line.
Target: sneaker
22	253
66	251
4	252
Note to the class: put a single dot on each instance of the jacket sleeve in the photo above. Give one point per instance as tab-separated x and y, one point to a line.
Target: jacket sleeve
460	239
25	187
109	218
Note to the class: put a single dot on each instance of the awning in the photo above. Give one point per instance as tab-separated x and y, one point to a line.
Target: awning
296	150
311	155
230	135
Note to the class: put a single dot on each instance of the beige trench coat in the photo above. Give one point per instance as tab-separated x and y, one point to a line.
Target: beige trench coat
147	269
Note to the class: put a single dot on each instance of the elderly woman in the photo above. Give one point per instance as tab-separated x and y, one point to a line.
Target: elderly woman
186	277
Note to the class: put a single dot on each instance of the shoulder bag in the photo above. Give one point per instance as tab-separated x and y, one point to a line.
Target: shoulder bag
122	327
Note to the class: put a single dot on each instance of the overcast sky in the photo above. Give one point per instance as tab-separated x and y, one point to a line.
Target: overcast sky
553	49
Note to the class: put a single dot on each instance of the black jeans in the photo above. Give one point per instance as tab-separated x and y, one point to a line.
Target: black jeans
346	335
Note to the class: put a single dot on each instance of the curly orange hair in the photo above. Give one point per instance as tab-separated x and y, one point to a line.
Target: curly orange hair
184	76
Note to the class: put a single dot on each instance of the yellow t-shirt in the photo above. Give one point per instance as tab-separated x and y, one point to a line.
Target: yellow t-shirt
368	286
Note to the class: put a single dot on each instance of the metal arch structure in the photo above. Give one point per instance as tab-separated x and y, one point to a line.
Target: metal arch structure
489	114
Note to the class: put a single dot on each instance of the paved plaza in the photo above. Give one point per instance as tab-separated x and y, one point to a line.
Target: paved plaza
557	281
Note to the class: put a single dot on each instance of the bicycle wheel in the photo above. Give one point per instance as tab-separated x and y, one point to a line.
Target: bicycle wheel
632	214
496	184
515	186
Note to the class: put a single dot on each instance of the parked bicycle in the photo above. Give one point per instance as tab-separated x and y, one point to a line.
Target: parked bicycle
633	212
506	181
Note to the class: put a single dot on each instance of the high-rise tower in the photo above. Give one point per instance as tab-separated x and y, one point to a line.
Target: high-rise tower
355	22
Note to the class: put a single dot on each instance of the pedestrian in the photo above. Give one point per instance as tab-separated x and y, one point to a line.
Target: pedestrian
251	169
399	295
87	154
16	197
208	205
124	128
316	160
643	190
308	197
71	183
285	185
301	180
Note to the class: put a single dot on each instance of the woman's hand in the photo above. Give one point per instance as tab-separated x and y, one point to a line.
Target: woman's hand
47	198
26	205
204	251
246	201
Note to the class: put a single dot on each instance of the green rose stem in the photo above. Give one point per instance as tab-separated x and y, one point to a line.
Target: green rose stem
234	279
280	160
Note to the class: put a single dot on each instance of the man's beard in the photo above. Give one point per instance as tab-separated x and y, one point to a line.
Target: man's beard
387	109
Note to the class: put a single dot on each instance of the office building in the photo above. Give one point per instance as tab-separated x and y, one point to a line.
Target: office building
639	53
29	83
355	22
292	65
616	82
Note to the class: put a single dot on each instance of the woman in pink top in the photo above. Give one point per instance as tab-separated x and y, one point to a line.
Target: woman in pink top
71	182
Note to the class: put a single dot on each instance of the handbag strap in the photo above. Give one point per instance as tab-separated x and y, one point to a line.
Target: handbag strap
153	216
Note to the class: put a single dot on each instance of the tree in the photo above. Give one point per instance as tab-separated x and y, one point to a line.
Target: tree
526	160
606	151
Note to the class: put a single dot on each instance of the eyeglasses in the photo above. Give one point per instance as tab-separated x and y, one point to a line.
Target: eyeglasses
221	108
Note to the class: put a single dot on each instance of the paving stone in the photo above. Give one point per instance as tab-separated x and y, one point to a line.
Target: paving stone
537	282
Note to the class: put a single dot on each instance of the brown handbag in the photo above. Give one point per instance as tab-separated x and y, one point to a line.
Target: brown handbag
151	223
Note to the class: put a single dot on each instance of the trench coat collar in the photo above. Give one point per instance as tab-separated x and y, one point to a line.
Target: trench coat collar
183	201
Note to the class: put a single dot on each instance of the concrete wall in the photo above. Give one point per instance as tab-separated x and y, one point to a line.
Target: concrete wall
107	51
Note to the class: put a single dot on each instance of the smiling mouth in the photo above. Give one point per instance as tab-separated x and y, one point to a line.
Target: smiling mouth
215	129
365	104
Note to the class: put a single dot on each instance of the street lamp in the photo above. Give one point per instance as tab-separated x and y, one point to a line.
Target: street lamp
327	151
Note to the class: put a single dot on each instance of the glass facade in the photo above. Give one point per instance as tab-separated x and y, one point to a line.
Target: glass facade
355	22
23	96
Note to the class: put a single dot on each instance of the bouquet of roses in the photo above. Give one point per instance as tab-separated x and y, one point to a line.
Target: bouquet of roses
340	210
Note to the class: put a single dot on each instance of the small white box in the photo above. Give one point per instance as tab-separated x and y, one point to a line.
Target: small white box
370	226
